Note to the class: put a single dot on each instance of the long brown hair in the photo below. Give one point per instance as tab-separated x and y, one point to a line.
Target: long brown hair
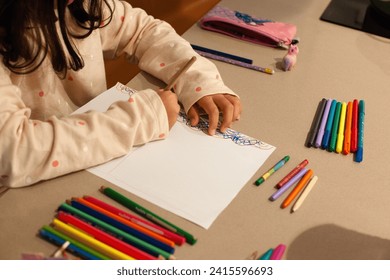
28	32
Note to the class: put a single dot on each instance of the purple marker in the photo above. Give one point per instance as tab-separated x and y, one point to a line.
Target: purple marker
324	119
292	181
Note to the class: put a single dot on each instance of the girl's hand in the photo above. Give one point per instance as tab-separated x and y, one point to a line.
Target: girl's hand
213	105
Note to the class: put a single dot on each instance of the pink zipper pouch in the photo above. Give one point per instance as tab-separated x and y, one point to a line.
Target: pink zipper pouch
246	27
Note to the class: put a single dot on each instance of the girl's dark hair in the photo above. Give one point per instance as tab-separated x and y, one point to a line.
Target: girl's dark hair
28	32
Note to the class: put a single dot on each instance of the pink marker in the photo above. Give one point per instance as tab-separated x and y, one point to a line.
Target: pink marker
278	252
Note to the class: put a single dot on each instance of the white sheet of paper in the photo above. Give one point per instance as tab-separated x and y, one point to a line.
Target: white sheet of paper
191	174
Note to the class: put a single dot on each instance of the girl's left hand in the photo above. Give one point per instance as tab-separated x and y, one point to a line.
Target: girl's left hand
213	105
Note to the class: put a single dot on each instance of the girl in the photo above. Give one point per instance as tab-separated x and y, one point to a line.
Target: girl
52	61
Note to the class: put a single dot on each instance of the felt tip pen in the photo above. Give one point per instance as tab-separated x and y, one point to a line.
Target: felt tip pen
340	135
293	180
359	152
278	252
324	119
276	167
294	193
292	173
335	128
267	255
311	137
347	132
354	129
328	127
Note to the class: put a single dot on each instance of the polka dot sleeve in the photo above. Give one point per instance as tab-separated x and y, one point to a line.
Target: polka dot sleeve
160	51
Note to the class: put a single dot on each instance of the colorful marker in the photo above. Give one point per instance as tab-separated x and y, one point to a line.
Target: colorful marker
278	252
347	131
328	127
292	173
293	180
354	129
294	193
267	255
311	137
359	152
335	128
324	119
276	167
340	136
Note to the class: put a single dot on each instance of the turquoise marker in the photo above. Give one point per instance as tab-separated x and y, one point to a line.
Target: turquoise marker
362	113
329	123
266	255
335	128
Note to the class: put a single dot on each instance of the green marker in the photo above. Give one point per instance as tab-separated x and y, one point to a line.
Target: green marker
272	170
266	255
335	128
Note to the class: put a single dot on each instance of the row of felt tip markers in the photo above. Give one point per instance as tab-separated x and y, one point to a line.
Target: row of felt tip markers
338	127
95	230
300	176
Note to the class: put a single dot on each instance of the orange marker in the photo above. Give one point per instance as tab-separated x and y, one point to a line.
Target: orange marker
348	127
301	184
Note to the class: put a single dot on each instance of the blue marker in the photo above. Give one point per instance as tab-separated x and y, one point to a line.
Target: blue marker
329	123
359	152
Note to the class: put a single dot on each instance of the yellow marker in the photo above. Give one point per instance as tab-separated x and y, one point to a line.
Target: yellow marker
340	137
89	241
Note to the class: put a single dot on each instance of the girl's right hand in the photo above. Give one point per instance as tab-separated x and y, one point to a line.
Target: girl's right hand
171	104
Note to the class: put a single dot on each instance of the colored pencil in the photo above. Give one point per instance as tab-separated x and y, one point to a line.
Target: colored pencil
128	238
236	62
75	247
223	54
121	226
127	222
147	214
104	237
179	73
177	239
89	241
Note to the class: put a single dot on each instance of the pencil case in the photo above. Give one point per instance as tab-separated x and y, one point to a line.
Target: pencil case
248	28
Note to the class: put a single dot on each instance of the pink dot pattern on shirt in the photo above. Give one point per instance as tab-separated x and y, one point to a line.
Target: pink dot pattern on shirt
162	135
162	64
70	78
198	89
81	123
122	18
131	100
55	163
41	93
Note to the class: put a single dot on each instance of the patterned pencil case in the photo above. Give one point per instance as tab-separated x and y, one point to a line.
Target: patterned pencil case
245	27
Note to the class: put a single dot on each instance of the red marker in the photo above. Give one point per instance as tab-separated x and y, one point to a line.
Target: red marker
292	173
354	129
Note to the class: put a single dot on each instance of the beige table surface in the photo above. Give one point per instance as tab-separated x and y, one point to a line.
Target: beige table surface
347	214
